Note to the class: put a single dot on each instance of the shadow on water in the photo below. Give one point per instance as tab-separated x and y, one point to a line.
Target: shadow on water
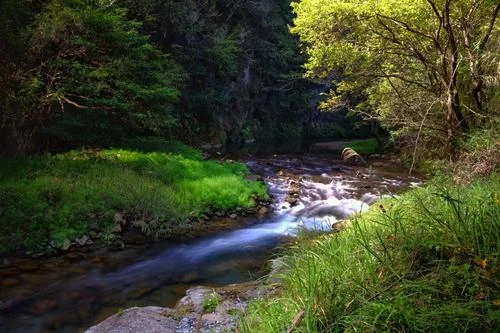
71	294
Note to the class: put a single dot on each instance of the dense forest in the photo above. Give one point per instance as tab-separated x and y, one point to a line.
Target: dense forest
98	72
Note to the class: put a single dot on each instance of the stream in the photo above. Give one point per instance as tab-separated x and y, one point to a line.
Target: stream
72	293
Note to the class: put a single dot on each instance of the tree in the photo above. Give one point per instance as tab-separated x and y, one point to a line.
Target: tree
405	58
93	77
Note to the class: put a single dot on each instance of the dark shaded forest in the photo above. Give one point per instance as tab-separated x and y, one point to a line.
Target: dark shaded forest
95	73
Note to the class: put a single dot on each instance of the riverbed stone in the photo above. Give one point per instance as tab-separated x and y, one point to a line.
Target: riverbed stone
82	240
255	178
263	210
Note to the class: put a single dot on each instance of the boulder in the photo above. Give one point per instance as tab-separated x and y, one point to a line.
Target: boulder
148	319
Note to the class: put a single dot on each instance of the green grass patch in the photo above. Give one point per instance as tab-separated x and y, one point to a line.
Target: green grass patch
425	262
60	197
368	146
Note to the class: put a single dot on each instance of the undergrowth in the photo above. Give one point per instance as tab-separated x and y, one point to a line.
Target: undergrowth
425	262
54	198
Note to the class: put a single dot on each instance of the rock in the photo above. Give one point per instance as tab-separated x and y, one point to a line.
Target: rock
116	229
292	201
82	240
255	178
147	319
118	218
194	298
93	234
263	211
233	216
66	244
38	255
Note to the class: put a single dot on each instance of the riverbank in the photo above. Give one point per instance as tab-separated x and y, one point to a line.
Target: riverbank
427	261
51	203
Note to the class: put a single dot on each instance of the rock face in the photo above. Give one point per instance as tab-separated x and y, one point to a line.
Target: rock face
150	319
189	315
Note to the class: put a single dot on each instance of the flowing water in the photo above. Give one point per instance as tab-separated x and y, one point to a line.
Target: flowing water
72	293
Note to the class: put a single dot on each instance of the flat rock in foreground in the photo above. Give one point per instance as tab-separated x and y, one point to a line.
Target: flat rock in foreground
189	315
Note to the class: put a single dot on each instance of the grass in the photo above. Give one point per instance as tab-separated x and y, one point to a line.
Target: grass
211	302
425	262
368	146
54	198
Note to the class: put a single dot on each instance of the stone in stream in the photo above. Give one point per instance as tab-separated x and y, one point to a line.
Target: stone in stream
292	201
263	211
255	178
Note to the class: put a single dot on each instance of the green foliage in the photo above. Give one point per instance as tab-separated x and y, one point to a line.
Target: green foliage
95	73
369	146
99	68
395	61
427	261
60	197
